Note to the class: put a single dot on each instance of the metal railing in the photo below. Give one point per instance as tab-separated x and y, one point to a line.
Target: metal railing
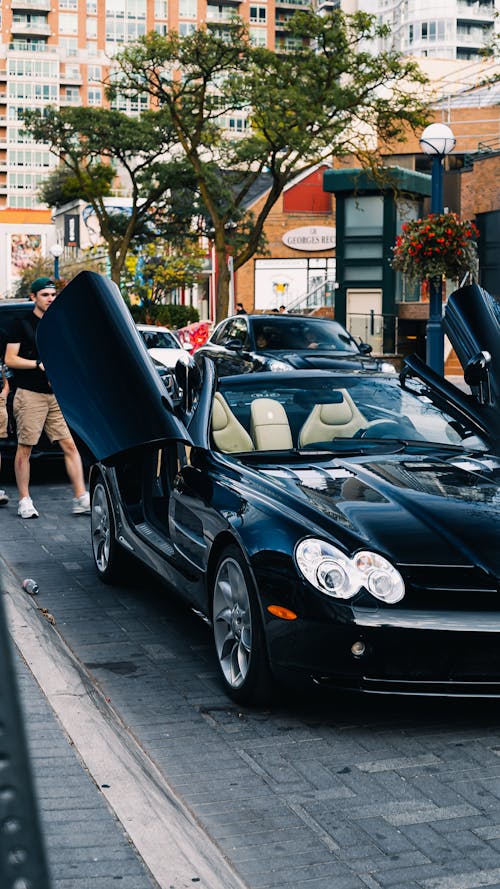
321	295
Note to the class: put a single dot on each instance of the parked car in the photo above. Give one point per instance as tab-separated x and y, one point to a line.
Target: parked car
335	529
250	343
163	344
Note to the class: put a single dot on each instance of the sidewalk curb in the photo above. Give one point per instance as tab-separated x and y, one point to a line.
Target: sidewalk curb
164	832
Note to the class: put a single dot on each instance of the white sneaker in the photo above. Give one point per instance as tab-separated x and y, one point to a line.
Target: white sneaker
3	498
81	504
26	509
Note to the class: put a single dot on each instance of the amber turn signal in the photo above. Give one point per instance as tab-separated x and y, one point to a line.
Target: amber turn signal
284	613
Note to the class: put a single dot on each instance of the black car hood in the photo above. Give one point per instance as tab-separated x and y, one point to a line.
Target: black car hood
412	509
325	359
101	372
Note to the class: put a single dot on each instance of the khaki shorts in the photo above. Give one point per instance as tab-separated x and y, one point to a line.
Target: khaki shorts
3	416
36	412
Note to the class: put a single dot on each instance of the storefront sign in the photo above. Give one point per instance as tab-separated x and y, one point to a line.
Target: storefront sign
71	230
311	237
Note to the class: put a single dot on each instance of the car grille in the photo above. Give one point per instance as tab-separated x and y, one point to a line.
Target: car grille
450	588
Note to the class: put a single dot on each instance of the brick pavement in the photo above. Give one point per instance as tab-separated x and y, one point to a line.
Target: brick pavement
346	793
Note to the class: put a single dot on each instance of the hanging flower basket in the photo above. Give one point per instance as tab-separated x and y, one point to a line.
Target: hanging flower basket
438	245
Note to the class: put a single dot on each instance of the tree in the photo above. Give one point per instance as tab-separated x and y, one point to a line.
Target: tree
159	269
93	145
68	269
325	98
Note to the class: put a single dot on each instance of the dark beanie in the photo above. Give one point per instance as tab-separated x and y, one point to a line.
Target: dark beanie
42	284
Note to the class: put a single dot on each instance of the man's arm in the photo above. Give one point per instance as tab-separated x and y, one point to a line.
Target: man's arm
15	362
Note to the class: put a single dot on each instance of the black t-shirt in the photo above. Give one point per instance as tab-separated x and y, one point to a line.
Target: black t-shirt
23	331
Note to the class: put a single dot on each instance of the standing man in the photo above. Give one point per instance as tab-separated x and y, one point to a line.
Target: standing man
35	405
4	391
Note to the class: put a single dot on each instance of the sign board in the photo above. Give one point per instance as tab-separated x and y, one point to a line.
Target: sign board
310	237
71	230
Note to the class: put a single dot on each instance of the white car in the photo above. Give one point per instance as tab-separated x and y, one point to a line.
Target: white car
163	344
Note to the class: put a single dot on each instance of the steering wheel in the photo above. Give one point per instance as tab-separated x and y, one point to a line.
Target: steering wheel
379	428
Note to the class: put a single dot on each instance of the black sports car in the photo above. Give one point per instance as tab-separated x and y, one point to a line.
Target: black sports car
334	528
250	343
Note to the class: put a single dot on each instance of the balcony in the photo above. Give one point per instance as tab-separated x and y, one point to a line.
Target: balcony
282	23
476	37
30	5
73	77
475	12
219	16
18	46
70	100
297	4
30	29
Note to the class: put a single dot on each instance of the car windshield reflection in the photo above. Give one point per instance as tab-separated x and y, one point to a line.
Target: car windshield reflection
289	334
159	339
337	415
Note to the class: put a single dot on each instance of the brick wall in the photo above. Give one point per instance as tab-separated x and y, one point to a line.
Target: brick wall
480	187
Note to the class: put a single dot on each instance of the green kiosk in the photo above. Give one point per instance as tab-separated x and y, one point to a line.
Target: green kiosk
370	210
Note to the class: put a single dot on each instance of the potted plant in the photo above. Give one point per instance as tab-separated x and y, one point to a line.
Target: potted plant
437	246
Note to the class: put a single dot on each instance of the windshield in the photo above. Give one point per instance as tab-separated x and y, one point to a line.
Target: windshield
326	413
159	339
294	334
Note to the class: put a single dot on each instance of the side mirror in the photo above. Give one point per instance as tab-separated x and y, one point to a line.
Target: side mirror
365	348
188	379
234	345
477	374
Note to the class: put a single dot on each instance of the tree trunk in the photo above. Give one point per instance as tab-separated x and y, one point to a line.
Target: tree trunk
223	281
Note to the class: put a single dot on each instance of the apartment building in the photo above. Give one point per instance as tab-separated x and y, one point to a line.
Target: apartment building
450	29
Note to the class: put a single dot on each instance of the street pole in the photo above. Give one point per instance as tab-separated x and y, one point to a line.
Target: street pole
435	338
56	250
436	140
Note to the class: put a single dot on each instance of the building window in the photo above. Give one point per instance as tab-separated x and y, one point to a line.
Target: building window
364	215
258	36
68	46
68	4
68	23
186	28
91	27
95	96
188	9
72	95
258	15
161	9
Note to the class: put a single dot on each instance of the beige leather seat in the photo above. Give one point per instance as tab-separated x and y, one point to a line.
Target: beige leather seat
269	425
228	434
329	421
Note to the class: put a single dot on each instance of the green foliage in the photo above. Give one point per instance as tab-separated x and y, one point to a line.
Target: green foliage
439	244
68	268
62	185
306	105
172	316
91	144
160	268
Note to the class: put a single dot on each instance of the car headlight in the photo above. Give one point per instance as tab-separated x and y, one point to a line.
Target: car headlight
275	365
387	367
340	576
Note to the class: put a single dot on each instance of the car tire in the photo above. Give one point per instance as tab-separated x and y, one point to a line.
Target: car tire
238	632
110	559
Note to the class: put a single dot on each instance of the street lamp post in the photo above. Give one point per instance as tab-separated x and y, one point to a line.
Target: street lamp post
56	250
437	140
